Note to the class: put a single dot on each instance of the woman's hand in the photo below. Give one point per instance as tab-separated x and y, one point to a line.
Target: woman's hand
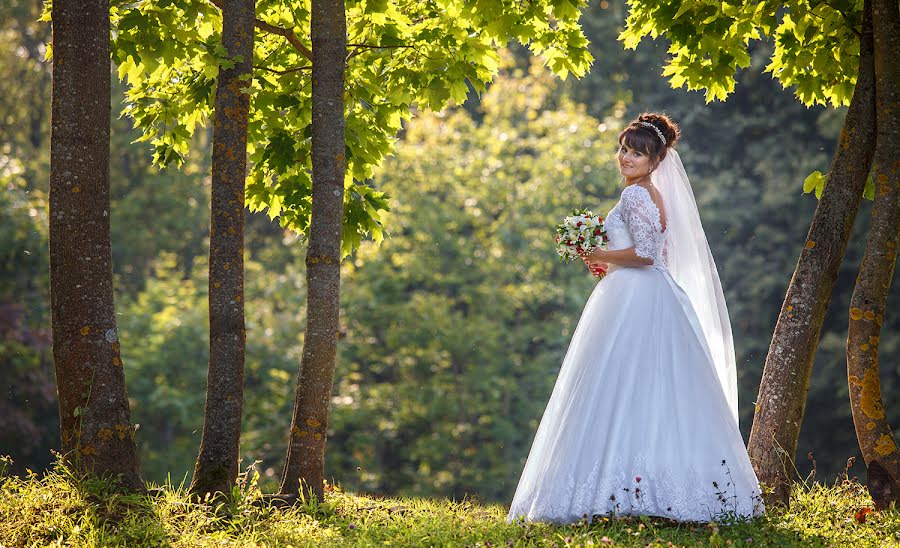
595	262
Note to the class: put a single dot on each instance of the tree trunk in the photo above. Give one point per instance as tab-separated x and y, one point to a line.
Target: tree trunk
867	306
785	381
305	462
95	421
217	464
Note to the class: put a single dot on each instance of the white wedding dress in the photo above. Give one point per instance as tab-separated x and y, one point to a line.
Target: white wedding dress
638	421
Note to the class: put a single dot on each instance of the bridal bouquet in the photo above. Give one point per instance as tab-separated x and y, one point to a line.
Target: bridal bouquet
578	234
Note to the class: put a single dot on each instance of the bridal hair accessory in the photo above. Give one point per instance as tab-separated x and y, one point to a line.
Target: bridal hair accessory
656	129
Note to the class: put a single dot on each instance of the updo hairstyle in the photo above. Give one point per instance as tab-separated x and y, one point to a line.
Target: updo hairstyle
644	139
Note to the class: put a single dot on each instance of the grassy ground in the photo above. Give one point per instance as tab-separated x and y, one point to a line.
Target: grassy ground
55	510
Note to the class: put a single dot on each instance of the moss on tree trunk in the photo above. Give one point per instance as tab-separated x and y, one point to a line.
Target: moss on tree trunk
867	306
95	420
217	463
305	461
782	393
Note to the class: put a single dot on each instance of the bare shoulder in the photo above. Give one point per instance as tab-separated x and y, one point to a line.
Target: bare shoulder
634	194
655	196
658	202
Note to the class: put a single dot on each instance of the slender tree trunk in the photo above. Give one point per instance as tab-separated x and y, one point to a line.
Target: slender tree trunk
867	306
785	381
305	462
217	464
95	421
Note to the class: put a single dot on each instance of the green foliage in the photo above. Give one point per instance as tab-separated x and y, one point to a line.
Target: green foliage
815	181
816	43
403	55
23	228
155	211
869	189
165	361
456	325
817	50
165	349
57	509
28	413
25	96
417	383
747	158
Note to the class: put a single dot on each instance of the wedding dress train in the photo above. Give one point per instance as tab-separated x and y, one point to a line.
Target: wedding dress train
638	421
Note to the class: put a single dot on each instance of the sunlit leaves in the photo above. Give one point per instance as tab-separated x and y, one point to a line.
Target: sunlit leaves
402	55
708	40
814	182
279	154
817	50
816	43
869	189
170	67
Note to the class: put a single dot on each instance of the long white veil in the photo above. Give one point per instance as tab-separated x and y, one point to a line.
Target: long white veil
691	264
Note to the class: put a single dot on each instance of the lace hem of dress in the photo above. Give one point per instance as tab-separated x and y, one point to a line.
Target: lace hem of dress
633	488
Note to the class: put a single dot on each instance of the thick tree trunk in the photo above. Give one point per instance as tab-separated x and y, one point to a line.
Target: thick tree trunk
867	306
95	421
217	464
305	462
785	381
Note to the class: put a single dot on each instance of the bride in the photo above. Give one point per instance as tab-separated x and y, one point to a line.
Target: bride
643	416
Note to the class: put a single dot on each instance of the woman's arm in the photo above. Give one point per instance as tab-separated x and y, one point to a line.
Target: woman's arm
625	257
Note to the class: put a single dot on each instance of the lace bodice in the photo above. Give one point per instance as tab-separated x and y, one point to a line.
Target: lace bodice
635	222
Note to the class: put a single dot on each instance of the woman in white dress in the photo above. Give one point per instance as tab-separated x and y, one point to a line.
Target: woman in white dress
643	416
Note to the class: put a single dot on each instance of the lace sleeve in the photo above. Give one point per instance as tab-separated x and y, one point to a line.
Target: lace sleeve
642	218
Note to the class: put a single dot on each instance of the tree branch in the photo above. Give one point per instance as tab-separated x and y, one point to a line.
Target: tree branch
288	34
370	46
359	48
286	71
847	20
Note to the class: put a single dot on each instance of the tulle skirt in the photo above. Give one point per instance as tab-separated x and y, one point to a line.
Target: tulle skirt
637	422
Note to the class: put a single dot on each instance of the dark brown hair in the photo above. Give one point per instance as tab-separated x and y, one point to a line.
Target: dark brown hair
640	137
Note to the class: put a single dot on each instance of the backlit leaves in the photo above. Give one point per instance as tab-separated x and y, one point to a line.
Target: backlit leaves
402	55
814	182
816	43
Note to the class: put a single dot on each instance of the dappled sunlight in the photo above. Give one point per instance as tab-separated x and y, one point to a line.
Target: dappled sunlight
470	129
55	508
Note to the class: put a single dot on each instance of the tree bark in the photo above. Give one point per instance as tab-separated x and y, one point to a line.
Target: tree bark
867	306
217	463
95	421
305	462
785	381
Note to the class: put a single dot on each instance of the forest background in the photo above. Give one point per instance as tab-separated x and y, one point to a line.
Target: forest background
453	329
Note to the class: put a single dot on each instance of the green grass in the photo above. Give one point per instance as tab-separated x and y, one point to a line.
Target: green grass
55	510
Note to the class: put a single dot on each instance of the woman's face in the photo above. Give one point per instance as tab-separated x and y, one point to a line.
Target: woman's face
633	163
